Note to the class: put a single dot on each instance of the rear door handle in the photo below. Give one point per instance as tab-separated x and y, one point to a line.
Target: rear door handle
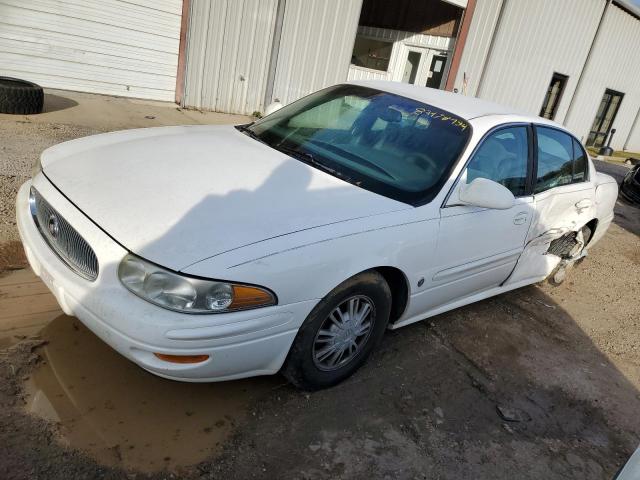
520	218
583	204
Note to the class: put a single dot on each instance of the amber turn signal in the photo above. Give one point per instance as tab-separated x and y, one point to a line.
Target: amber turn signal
182	358
247	297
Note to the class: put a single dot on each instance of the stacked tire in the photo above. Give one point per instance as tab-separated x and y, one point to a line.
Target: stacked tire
20	97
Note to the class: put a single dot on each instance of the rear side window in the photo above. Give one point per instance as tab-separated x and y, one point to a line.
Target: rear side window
556	160
580	165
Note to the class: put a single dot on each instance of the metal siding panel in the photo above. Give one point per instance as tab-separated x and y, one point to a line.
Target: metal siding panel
316	46
228	51
476	48
534	40
633	142
614	64
110	47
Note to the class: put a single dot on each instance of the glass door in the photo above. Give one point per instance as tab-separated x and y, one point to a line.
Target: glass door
436	71
413	65
605	116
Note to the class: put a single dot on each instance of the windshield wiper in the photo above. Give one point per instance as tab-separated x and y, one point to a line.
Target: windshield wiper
245	129
308	158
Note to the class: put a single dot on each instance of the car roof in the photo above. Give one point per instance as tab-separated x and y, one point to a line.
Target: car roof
456	103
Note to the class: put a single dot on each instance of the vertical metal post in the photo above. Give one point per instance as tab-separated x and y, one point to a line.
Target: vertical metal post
275	49
490	50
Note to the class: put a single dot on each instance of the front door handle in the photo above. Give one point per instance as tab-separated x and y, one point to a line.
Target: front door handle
583	205
520	218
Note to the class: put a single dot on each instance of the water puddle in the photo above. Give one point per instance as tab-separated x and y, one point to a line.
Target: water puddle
124	416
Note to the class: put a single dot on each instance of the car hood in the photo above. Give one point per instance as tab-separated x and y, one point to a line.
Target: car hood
178	195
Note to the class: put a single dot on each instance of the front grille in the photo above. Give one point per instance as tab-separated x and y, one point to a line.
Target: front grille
62	238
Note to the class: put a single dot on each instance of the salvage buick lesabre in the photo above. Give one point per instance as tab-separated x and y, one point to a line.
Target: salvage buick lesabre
207	253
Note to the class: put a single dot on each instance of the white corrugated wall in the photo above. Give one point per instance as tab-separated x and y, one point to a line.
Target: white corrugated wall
477	45
228	50
127	48
614	64
315	47
534	40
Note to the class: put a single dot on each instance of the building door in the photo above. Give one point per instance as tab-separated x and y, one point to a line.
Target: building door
605	116
421	66
413	65
436	71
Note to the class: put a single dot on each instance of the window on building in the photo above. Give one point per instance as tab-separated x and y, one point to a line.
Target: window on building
553	96
561	160
371	53
503	158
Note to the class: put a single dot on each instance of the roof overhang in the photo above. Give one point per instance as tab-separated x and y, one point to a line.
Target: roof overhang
629	6
457	3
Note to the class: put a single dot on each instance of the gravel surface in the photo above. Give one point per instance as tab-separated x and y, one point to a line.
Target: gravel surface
22	144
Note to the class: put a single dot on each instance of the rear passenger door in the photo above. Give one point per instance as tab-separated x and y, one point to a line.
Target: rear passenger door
563	197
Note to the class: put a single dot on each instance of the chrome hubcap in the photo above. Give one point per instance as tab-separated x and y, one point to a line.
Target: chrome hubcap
343	333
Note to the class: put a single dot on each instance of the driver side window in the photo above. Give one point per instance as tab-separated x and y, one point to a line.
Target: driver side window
503	158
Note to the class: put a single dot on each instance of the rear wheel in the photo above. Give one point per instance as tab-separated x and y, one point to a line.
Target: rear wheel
340	332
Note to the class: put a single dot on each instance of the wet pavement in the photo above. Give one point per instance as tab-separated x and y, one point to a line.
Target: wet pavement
108	407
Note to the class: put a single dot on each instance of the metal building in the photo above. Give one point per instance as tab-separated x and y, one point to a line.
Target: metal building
576	61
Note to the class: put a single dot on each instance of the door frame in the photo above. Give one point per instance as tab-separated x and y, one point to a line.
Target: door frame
426	54
597	133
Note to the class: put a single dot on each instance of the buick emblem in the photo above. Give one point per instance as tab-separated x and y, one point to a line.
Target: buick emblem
53	226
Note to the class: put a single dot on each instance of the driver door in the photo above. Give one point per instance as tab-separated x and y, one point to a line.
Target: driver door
478	248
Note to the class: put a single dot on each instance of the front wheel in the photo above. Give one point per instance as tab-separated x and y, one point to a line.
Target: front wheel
340	332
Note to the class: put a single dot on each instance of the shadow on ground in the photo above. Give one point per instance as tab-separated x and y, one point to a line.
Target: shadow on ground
54	103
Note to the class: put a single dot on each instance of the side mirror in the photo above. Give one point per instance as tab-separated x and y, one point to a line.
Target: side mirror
486	193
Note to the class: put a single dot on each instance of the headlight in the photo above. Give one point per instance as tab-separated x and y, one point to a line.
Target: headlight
186	294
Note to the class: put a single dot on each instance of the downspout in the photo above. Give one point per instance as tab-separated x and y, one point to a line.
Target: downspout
458	48
490	50
275	50
586	62
182	52
634	125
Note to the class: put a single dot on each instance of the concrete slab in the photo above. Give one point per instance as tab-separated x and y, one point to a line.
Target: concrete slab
104	112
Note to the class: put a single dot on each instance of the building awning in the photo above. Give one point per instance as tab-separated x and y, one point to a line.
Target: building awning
457	3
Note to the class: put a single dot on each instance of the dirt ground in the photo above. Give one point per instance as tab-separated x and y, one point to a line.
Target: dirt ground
539	383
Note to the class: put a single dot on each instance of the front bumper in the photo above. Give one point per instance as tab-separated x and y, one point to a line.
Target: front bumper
239	344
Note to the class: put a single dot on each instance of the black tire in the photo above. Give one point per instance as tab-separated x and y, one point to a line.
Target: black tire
301	367
20	97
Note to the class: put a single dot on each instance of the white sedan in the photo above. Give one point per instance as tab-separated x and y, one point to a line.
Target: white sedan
207	253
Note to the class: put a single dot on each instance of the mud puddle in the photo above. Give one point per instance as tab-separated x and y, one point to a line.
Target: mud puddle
123	416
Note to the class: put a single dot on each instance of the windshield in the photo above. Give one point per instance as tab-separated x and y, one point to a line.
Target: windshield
385	143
